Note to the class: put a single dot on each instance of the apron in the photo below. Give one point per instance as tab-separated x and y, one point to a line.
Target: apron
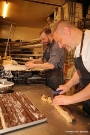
54	77
84	76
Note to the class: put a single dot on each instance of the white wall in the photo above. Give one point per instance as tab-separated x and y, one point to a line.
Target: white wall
22	33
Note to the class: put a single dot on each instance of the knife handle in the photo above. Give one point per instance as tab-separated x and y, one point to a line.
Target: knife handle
56	93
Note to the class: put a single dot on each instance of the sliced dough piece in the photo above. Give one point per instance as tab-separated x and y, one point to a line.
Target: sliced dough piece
46	99
49	100
43	98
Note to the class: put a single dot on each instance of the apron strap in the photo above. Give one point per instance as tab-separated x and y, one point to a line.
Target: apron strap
82	43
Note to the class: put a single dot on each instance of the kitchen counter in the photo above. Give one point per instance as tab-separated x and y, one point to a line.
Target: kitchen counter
55	124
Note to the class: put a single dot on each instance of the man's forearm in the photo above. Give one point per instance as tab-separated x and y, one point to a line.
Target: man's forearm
45	66
74	80
37	61
82	95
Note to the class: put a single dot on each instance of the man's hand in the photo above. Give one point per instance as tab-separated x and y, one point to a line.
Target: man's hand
62	100
64	88
30	64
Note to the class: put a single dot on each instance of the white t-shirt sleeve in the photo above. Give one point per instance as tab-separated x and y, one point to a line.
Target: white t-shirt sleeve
85	50
86	55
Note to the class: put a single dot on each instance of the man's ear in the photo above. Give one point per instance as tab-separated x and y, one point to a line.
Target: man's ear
67	31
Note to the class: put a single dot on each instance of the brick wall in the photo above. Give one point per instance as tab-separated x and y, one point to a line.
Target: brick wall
65	12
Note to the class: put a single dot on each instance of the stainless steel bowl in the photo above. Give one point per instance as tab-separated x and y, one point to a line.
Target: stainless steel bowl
5	86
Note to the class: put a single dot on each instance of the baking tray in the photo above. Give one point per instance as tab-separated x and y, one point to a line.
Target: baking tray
22	126
19	101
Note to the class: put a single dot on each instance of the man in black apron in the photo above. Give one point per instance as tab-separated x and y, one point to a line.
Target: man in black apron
54	77
52	60
84	76
69	37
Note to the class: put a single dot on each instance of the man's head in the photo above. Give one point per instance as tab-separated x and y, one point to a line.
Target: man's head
46	36
63	34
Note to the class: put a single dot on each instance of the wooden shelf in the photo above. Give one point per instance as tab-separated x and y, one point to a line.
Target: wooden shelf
25	59
26	55
22	51
29	46
22	63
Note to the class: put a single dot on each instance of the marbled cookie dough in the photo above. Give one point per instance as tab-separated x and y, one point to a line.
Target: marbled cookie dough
46	99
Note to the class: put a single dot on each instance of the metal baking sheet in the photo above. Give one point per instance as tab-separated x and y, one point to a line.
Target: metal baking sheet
13	99
22	126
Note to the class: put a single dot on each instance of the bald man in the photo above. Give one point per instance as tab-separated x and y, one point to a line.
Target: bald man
68	36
